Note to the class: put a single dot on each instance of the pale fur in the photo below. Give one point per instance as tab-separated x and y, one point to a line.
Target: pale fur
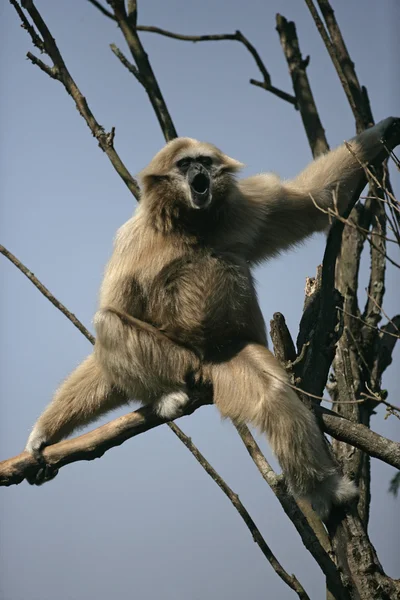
178	309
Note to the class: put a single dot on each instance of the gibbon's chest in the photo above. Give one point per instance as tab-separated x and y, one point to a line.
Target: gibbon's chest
203	297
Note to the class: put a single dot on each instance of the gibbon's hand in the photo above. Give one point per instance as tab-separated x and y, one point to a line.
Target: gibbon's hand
390	131
41	472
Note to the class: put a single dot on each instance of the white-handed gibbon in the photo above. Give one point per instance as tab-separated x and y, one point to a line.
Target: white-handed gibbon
178	305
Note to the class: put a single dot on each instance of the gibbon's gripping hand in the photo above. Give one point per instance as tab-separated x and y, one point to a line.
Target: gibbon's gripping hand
390	131
386	133
42	472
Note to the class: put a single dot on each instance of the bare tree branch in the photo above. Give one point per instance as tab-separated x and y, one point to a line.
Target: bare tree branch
103	9
127	24
359	94
338	66
47	293
301	86
60	72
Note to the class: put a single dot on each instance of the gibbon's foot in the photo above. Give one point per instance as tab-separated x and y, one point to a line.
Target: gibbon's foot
337	490
170	405
41	472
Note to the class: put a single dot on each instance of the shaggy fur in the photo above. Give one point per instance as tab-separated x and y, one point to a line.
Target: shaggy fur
178	305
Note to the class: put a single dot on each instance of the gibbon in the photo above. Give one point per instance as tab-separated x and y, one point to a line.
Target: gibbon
178	306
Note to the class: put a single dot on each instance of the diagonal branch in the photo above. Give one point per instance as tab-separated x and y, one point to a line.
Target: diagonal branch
290	580
43	289
60	72
337	64
127	24
103	9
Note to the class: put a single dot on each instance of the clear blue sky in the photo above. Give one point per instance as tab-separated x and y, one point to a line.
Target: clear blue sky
145	521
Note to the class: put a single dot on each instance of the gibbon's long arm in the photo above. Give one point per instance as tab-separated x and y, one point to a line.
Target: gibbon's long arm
85	395
147	362
283	213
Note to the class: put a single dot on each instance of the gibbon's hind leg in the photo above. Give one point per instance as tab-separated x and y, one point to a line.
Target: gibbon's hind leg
84	395
251	388
144	362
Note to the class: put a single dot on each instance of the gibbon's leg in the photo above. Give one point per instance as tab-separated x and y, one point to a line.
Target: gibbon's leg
144	362
83	396
251	388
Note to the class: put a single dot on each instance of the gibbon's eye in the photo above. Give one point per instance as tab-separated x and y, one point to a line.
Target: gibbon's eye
184	163
205	160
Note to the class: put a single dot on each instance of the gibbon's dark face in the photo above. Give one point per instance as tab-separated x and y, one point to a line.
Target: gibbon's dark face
185	181
199	173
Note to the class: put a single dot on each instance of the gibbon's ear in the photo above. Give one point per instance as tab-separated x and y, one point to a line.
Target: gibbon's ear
231	165
150	179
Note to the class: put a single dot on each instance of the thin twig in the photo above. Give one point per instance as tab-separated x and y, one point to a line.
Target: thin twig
379	329
128	65
380	308
43	289
103	9
378	398
36	39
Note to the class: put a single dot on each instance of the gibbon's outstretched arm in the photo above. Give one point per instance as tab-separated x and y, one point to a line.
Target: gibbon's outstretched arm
283	213
82	397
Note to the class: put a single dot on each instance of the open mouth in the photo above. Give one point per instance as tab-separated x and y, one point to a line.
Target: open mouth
200	184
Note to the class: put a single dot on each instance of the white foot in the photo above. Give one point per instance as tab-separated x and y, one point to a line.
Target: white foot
336	490
170	406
